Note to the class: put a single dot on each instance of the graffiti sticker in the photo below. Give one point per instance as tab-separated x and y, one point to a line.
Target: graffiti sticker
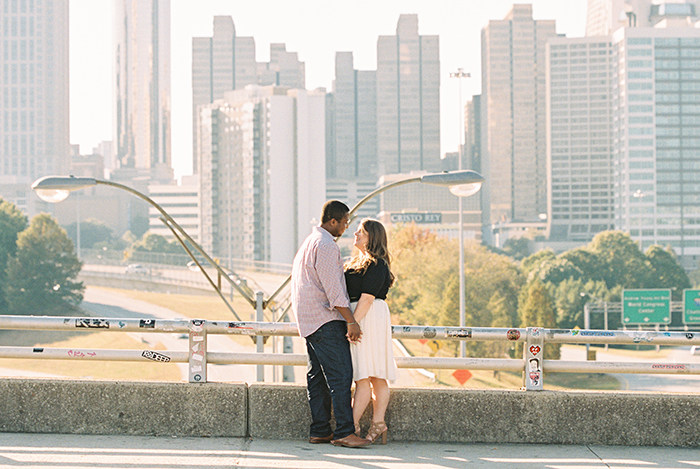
535	349
513	334
92	323
429	332
155	356
463	333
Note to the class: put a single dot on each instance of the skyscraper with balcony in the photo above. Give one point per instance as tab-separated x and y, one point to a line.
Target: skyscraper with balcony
408	100
513	118
142	88
34	134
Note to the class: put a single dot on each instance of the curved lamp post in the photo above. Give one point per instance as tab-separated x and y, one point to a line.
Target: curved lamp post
55	189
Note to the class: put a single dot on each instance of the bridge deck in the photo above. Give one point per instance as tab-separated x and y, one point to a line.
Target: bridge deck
62	451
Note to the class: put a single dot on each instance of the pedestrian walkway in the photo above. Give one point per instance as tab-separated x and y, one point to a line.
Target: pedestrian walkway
44	451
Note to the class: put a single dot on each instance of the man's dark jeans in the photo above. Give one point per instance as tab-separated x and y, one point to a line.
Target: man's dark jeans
328	380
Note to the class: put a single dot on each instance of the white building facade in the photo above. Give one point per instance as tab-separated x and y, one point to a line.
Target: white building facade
579	138
33	98
262	171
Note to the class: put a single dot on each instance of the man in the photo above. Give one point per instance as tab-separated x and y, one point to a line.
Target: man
324	318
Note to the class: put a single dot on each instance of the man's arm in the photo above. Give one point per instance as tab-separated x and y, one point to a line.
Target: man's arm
354	331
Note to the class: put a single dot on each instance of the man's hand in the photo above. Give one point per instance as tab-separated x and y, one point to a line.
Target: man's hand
354	333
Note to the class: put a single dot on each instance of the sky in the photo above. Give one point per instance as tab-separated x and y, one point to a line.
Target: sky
315	29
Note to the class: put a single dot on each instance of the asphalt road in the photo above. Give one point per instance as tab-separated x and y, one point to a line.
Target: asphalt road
640	382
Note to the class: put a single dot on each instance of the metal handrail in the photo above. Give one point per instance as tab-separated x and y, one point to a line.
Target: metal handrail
532	365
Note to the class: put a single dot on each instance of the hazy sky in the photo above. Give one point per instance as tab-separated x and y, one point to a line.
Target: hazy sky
315	29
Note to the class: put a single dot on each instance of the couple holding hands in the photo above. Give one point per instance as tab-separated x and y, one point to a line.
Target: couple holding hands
342	315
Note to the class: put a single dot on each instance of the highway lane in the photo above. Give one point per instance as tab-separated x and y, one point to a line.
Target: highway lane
110	304
644	382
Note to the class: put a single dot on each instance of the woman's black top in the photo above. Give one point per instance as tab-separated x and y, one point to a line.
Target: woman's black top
376	281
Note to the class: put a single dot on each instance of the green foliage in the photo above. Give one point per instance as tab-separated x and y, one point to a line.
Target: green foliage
92	232
517	248
538	310
41	276
427	286
152	242
12	222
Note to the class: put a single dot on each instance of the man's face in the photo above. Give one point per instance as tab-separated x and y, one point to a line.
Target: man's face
339	227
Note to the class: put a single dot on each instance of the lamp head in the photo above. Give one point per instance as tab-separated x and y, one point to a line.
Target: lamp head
461	183
55	189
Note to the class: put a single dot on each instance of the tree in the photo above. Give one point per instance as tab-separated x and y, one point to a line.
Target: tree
665	270
92	232
12	222
622	261
538	310
152	242
41	276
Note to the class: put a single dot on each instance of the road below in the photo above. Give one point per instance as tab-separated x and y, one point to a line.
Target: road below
640	382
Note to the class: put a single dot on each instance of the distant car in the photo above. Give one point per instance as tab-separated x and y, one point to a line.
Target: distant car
192	265
695	350
137	269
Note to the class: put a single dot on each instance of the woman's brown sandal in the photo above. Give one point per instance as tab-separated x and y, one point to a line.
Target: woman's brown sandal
376	430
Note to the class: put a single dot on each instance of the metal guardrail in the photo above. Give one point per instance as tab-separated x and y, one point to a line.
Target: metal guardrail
197	356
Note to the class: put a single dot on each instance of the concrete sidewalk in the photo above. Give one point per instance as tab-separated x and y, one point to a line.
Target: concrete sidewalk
45	451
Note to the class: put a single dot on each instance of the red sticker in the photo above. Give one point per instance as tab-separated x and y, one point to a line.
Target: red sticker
535	349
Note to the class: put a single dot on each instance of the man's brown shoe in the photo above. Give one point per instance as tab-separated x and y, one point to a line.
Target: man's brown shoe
320	439
351	441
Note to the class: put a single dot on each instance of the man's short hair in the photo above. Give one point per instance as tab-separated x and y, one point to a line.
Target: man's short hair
333	210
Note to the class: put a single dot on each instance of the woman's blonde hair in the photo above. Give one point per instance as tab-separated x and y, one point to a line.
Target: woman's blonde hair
376	248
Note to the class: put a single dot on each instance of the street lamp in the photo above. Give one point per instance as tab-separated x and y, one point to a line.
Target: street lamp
460	73
55	189
639	195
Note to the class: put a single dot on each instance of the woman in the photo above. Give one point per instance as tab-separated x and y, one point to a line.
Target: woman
368	279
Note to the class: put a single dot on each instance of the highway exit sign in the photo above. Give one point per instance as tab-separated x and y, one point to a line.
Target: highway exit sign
646	307
691	306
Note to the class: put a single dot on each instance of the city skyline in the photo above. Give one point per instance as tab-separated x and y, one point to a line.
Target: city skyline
299	26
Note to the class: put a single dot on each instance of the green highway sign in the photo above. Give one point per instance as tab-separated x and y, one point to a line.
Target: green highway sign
646	307
691	306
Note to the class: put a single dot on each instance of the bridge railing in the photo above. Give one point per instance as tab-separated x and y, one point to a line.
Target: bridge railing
197	356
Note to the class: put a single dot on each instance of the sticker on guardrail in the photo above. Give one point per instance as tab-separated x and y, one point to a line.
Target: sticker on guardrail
462	333
92	323
147	323
155	356
513	334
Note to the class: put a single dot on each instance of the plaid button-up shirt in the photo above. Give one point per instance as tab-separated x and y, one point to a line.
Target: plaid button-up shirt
318	284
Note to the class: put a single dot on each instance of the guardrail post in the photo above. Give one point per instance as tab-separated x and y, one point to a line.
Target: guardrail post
259	339
533	355
198	351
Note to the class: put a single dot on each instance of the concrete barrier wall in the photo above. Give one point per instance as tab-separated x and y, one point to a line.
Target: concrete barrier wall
280	411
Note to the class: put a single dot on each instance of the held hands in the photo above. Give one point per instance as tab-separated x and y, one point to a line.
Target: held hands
354	333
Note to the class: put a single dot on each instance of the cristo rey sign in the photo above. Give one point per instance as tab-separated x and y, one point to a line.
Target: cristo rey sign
416	217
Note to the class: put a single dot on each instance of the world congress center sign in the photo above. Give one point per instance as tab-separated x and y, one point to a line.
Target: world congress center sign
416	217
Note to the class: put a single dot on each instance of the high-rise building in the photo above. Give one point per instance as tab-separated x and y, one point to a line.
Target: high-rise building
513	117
607	16
351	142
142	95
226	62
34	134
656	153
220	63
262	171
180	202
580	138
408	100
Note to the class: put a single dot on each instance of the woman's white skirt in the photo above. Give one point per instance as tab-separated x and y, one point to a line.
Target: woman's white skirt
374	355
